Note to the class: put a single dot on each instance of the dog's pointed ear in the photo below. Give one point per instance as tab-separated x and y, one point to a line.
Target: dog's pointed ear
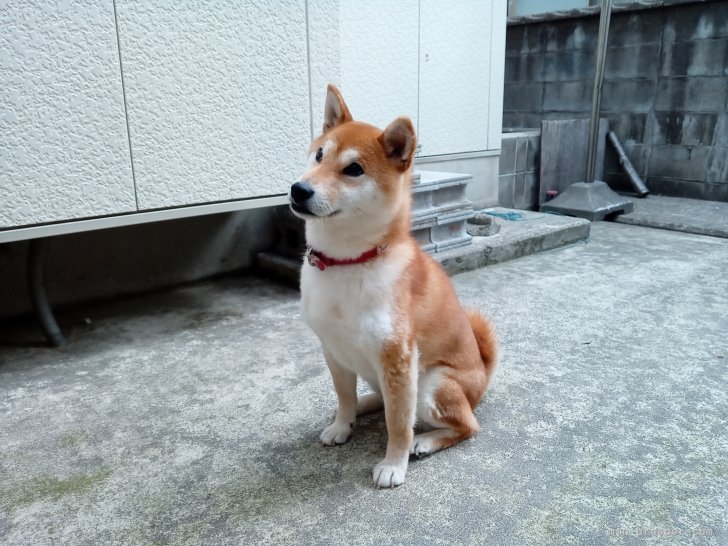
398	141
335	111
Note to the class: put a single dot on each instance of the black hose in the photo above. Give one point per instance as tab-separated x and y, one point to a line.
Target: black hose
37	253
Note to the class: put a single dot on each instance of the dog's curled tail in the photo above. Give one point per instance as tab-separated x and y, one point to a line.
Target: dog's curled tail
487	343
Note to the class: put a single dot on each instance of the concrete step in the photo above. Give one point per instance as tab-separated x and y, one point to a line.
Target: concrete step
679	214
533	232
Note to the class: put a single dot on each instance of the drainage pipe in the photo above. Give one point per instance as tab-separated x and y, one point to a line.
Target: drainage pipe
37	254
639	186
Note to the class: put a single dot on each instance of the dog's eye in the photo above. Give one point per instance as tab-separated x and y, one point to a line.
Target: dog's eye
353	169
319	154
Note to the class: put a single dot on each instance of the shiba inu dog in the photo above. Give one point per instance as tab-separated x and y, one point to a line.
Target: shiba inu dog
383	309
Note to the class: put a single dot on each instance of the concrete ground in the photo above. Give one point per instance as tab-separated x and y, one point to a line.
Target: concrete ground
192	417
679	214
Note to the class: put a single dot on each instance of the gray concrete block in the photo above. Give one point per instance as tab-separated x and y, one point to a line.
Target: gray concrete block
422	236
507	162
512	69
515	35
720	136
522	120
526	191
555	116
563	154
421	200
521	154
450	196
678	162
697	58
682	128
718	166
524	68
628	125
523	96
518	190
639	61
696	94
688	188
533	153
627	95
506	190
571	34
567	96
636	28
575	64
449	235
525	39
696	22
537	37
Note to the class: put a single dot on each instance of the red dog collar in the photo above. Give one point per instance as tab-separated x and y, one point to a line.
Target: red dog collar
322	261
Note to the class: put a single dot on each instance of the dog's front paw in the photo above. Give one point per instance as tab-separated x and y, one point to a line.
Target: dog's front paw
336	433
388	474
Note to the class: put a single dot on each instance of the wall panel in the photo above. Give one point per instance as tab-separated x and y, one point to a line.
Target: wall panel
64	151
217	96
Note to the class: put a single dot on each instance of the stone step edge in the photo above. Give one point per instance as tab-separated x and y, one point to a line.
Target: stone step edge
481	252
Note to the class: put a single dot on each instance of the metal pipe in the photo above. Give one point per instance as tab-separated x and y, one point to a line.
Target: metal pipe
639	186
604	18
37	253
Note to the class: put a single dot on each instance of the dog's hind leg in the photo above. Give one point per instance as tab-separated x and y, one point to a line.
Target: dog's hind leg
369	403
451	416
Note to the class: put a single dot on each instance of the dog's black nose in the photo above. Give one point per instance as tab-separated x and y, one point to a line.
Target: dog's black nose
301	192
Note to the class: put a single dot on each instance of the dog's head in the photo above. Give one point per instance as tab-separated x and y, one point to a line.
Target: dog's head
356	172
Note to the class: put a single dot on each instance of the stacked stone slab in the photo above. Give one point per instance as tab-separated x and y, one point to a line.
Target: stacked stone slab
440	210
439	216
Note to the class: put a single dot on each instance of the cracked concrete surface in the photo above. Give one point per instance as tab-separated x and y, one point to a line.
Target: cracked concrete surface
192	416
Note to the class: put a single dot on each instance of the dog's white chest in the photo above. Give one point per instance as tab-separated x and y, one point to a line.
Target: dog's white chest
351	310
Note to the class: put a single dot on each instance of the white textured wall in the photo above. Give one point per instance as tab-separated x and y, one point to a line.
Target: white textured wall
217	97
63	143
369	49
218	100
455	53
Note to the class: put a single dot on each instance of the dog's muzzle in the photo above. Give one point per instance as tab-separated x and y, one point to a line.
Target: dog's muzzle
301	192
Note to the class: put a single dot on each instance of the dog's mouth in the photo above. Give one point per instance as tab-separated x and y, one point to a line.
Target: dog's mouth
305	211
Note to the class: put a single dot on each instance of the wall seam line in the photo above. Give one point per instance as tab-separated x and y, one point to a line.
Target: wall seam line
308	69
490	77
126	107
419	64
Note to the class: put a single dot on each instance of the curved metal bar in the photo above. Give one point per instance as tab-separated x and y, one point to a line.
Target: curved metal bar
37	254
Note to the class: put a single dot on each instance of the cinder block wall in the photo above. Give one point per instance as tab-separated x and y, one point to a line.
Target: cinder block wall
518	176
665	91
